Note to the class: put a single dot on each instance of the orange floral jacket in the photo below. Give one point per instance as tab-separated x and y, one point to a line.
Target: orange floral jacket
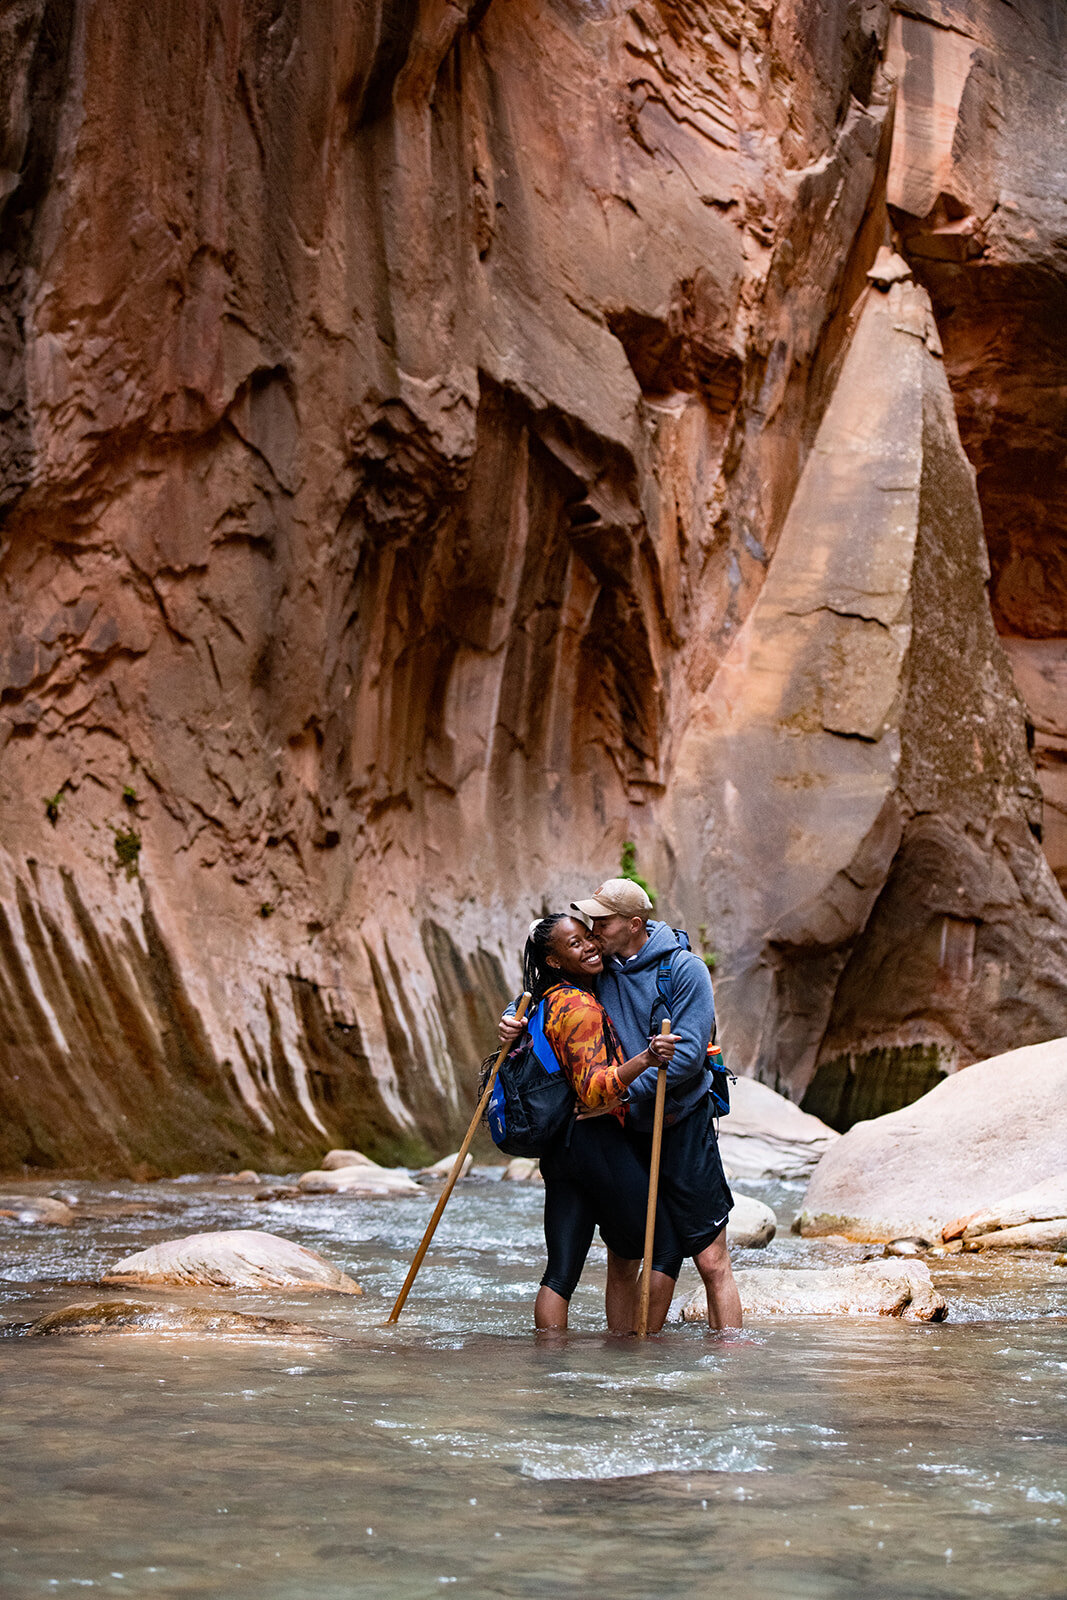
586	1045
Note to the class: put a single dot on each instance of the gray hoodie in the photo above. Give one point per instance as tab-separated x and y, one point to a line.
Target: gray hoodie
627	991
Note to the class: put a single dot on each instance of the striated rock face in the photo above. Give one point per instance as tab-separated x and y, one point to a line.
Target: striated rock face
408	488
978	189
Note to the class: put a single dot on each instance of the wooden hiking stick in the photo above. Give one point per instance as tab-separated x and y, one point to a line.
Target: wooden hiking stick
453	1176
653	1190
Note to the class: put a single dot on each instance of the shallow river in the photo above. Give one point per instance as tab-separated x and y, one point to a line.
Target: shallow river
456	1454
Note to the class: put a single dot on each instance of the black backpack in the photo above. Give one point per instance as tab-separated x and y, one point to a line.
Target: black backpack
721	1077
532	1101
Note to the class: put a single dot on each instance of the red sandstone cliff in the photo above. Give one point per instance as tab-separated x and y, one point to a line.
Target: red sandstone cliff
441	443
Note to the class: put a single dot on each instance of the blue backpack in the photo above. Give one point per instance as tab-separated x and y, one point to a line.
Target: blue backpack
532	1100
721	1077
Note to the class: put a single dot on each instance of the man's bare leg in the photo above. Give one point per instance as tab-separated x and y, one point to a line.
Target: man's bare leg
724	1301
550	1310
622	1291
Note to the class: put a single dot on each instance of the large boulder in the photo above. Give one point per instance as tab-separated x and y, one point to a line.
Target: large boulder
752	1225
383	1182
868	1288
958	1150
242	1258
767	1136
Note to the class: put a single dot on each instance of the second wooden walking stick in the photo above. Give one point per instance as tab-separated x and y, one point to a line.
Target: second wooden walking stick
453	1176
653	1191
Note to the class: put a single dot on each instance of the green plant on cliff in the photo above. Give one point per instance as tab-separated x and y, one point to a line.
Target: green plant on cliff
129	796
127	849
51	806
628	868
709	956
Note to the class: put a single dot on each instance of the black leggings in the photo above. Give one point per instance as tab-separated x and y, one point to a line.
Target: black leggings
594	1178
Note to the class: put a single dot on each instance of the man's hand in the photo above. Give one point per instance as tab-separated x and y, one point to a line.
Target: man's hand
661	1047
509	1030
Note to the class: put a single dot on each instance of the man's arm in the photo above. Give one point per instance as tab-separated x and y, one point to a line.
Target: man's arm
692	1018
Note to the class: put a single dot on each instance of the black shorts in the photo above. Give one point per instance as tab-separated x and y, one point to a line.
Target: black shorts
692	1183
594	1178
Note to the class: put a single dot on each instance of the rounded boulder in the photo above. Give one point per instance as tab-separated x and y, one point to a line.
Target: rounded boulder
240	1258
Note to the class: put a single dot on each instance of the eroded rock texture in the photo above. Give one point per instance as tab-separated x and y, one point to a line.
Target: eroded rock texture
978	188
403	407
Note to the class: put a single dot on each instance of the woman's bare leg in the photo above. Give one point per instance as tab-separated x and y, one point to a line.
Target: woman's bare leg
550	1309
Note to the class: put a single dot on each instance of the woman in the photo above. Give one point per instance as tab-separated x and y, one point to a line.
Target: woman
592	1176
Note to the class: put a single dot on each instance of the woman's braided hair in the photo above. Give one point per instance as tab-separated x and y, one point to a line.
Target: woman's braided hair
537	975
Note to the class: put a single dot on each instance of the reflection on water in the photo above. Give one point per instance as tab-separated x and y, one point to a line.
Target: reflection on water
454	1451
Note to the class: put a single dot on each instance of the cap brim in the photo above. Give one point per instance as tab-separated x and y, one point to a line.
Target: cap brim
590	909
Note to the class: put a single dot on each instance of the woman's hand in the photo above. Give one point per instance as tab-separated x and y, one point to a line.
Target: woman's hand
510	1028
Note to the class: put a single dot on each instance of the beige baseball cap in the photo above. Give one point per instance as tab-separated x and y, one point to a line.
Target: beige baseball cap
619	897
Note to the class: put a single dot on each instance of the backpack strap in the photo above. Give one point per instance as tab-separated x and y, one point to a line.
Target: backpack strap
665	981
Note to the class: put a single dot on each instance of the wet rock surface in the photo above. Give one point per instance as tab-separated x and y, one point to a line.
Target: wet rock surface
36	1208
235	1259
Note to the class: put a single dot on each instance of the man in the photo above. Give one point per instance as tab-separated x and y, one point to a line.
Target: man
691	1180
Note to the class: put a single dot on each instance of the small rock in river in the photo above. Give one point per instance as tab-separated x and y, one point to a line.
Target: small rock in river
247	1176
241	1258
36	1208
346	1158
907	1247
523	1169
752	1225
127	1316
369	1181
443	1168
1051	1235
1044	1202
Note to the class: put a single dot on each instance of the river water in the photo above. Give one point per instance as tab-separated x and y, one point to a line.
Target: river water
455	1453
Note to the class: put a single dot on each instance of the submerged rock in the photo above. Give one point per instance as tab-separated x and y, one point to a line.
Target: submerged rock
127	1316
868	1288
242	1258
36	1208
752	1225
368	1180
333	1159
767	1136
442	1168
957	1151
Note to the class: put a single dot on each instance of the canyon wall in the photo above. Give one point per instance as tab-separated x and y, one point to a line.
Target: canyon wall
441	443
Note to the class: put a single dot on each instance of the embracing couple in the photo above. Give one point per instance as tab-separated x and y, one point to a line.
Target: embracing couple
599	969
